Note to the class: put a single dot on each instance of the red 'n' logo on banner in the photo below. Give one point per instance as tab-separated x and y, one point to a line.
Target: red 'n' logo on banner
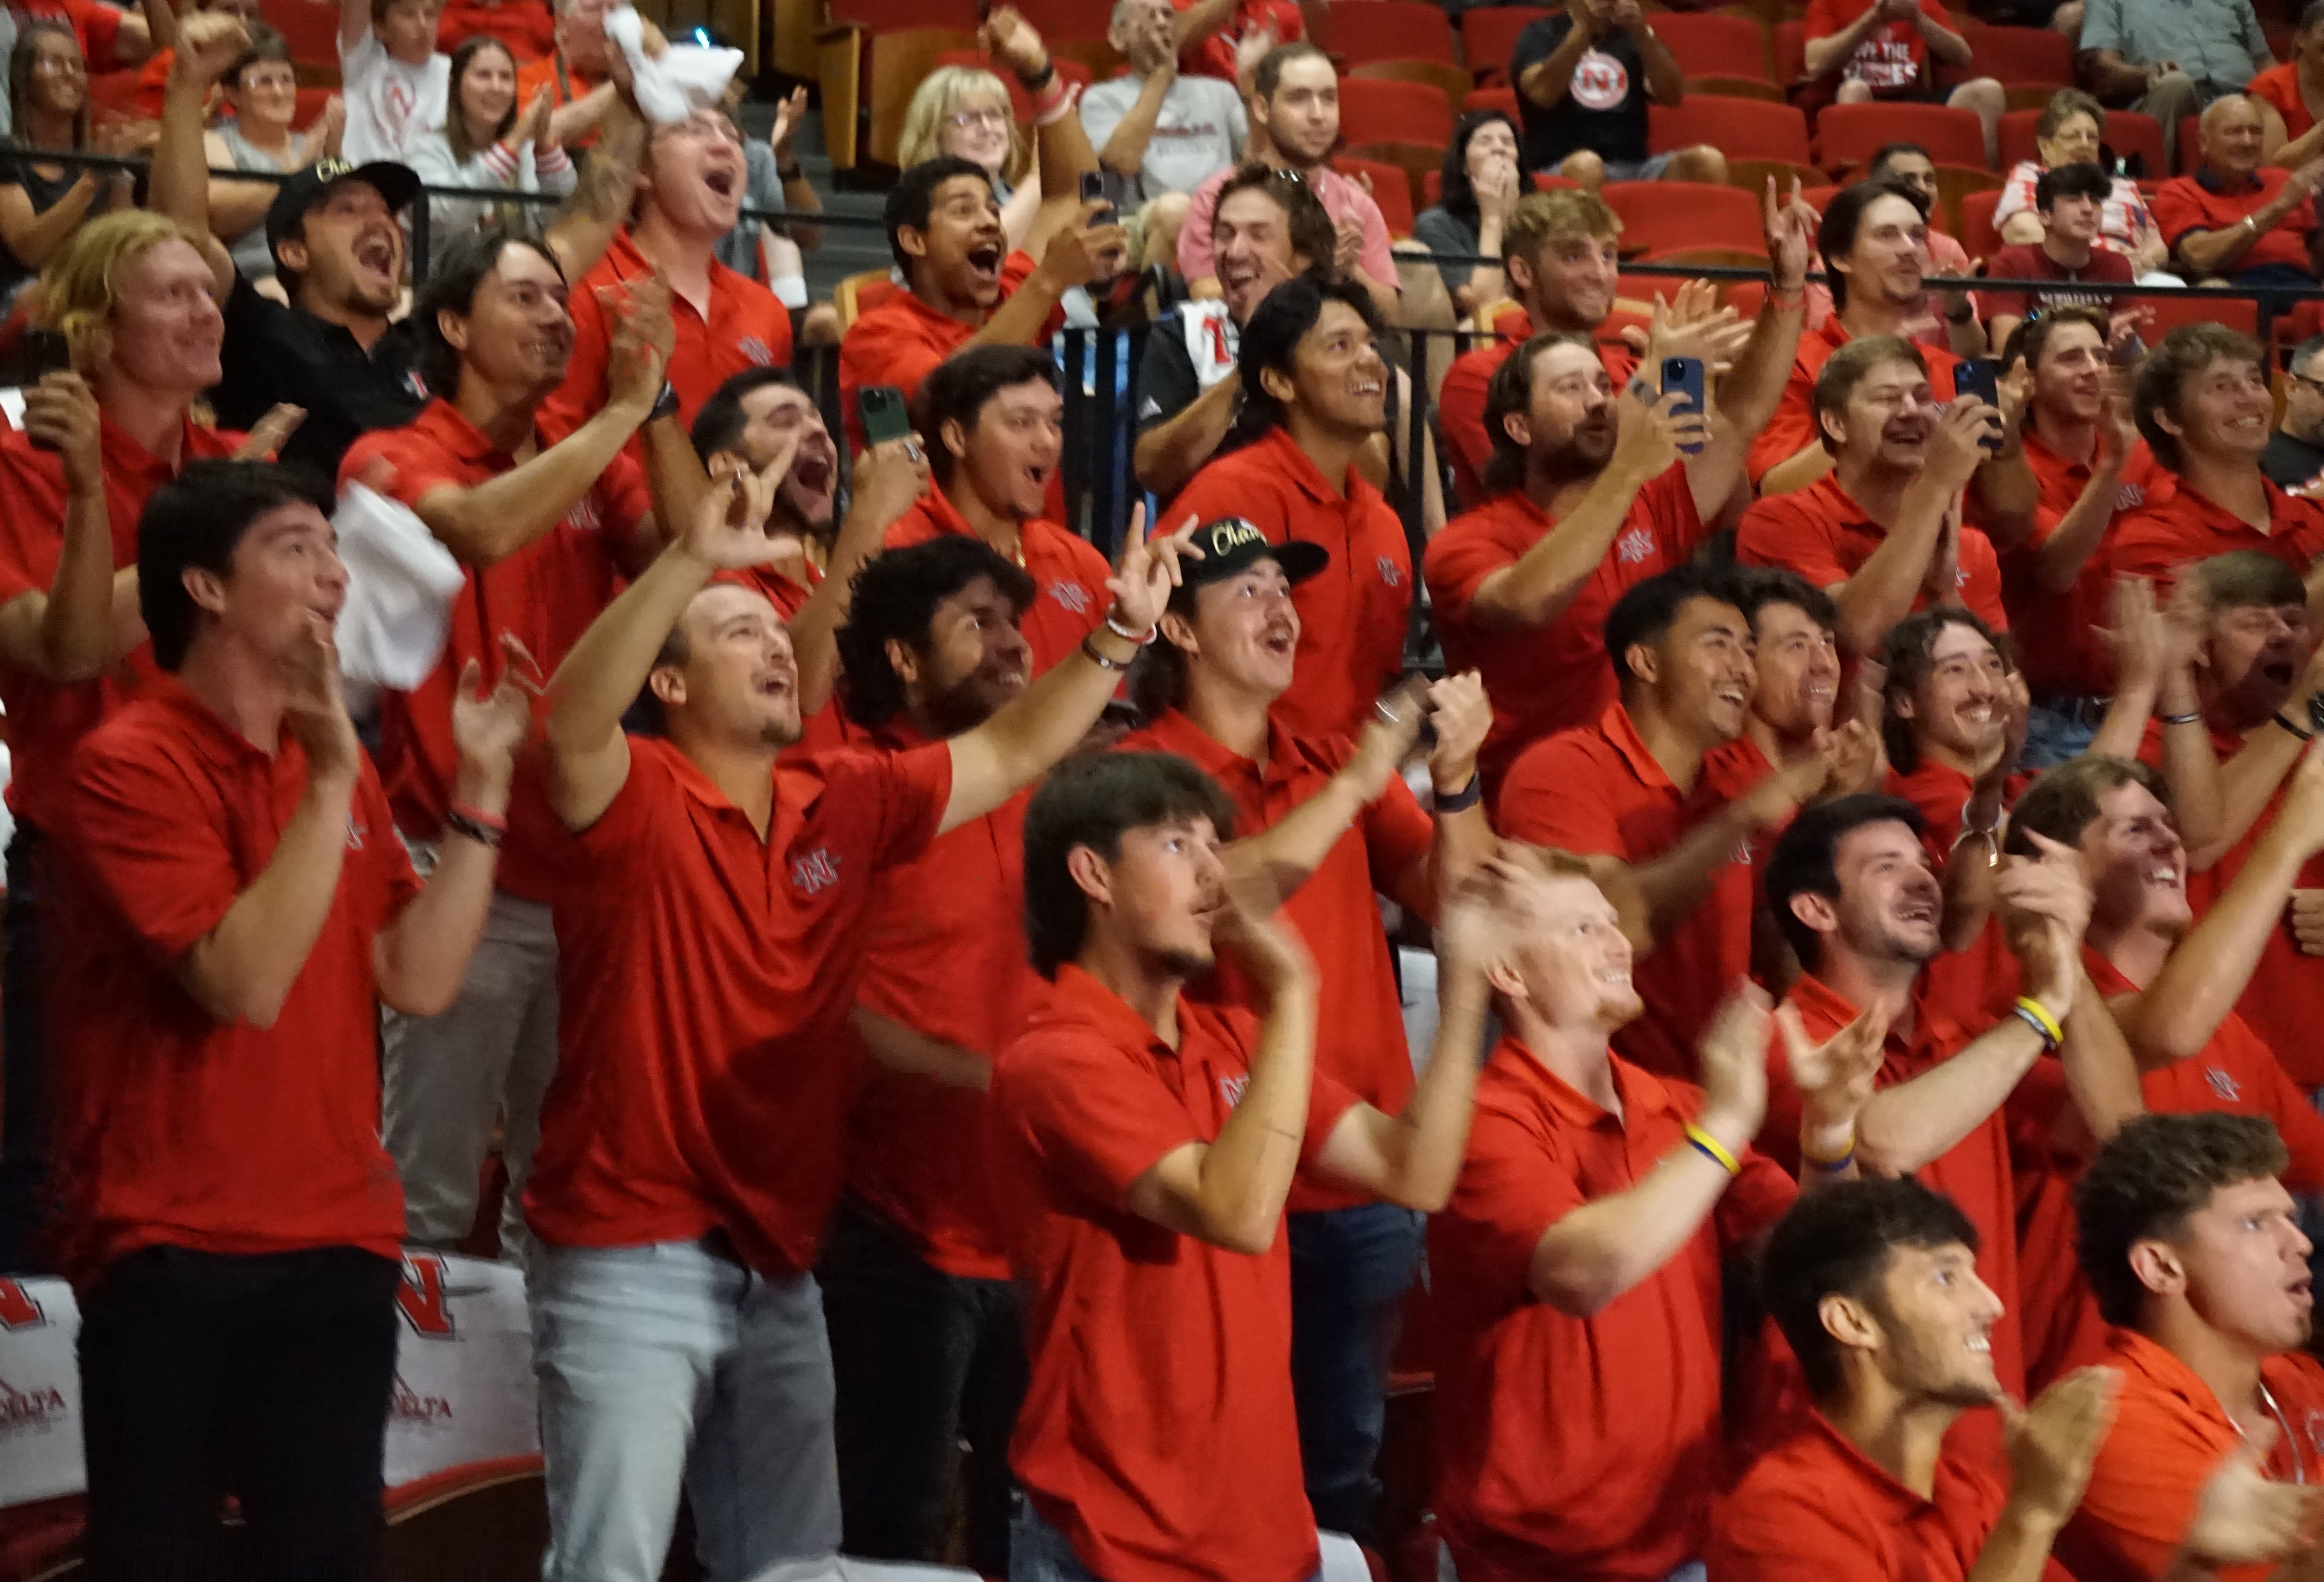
18	1311
420	1295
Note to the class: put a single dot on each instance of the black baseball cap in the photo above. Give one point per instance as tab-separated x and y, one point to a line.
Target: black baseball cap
1230	546
397	184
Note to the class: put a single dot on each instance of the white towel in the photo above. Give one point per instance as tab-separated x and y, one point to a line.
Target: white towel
401	585
685	79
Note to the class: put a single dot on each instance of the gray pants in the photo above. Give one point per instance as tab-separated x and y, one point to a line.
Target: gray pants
674	1363
2174	95
445	1079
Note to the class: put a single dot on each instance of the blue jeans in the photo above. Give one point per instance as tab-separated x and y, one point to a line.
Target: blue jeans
2053	735
674	1362
1038	1552
1350	1269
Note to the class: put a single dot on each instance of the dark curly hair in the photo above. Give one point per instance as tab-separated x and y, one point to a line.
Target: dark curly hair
894	598
1836	1242
2147	1179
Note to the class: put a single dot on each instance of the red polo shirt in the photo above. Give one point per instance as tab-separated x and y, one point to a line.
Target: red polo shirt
47	720
1940	791
2170	1434
2058	642
96	26
900	342
1596	789
1352	614
564	83
1068	574
1213	56
789	596
2186	525
955	973
2284	1004
1557	677
1359	1038
705	978
745	328
546	594
1817	1506
2186	204
173	1127
1792	428
1461	400
1975	1172
1824	535
2280	87
528	27
1158	1432
1580	1448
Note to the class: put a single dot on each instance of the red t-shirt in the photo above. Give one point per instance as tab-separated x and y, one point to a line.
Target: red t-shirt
2186	204
2028	261
47	720
172	1127
1596	789
564	83
1158	1432
2285	1002
1792	428
546	594
955	973
705	978
1068	574
1577	1447
2184	524
1817	1506
745	328
900	342
2170	1434
1360	1040
1557	677
1215	56
1893	58
98	26
2280	87
1824	535
528	27
1353	613
1461	400
2059	646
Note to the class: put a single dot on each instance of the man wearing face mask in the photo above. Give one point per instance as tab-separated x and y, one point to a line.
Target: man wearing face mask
1267	229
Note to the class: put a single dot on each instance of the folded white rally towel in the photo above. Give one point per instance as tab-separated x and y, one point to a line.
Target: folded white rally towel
401	584
684	78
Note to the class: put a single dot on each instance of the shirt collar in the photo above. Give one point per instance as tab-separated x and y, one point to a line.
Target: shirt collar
1824	1006
449	427
1286	453
212	737
1618	729
1174	730
1091	1001
1639	1092
2211	183
124	456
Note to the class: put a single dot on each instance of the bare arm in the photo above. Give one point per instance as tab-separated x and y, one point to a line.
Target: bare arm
355	21
888	479
1550	78
235	207
912	1053
1124	152
1834	51
178	181
74	631
575	118
584	223
2109	76
1944	44
1173	450
1887	586
2216	252
33	237
1753	385
1665	83
2247	783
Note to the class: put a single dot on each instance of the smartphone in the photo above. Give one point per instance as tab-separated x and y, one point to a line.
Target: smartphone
1684	376
885	415
40	353
1980	379
1094	187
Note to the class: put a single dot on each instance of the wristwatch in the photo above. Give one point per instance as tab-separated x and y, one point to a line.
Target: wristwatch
665	404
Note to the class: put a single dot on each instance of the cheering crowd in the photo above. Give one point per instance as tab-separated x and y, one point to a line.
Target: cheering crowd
933	987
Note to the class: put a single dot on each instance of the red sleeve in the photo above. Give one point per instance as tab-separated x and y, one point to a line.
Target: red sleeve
912	790
1219	490
1772	1530
418	467
139	826
640	812
2177	208
1824	18
627	502
1544	801
1457	561
1790	431
1516	1182
2009	263
2146	544
1461	408
1398	835
573	402
1760	1194
883	349
25	512
1095	1119
1981	571
2301	1128
1779	532
1328	1100
99	27
1668	504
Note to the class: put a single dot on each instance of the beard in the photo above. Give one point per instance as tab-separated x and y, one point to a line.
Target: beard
963	705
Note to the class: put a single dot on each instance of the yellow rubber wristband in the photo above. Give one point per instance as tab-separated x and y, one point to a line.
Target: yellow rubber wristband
1713	1147
2040	1013
1837	1161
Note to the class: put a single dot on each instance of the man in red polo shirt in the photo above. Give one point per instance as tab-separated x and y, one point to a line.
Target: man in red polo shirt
1627	791
1874	241
2233	220
1315	394
546	532
1952	718
1577	1268
236	910
2202	401
927	1343
711	915
1144	1145
1333	822
95	445
1857	899
1881	532
2082	442
1594	492
1876	1285
2193	1248
995	428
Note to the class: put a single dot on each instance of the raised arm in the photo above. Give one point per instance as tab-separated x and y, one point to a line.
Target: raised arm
1889	583
1945	46
1073	256
2052	1445
1027	735
1065	147
179	180
1833	51
1172	451
1125	150
583	224
2154	674
355	21
1551	78
1230	1191
87	619
1753	385
888	478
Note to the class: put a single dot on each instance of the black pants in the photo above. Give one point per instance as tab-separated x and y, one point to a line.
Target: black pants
24	1055
921	1360
266	1377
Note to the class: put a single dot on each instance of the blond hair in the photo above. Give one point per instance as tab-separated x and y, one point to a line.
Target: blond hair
938	99
1559	215
82	283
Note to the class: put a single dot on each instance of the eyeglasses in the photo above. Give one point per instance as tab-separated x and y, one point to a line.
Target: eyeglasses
962	120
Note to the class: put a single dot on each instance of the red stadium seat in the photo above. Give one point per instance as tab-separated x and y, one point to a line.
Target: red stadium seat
311	30
898	15
1375	111
1715	43
1818	197
2129	133
2023	56
2017	143
1790	51
1391	189
1742	129
1387	29
1020	105
1847	135
1489	37
1659	215
1504	99
311	101
1978	234
2190	143
1067	22
2239	313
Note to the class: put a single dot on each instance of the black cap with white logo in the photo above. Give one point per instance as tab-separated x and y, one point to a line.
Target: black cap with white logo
398	185
1231	546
